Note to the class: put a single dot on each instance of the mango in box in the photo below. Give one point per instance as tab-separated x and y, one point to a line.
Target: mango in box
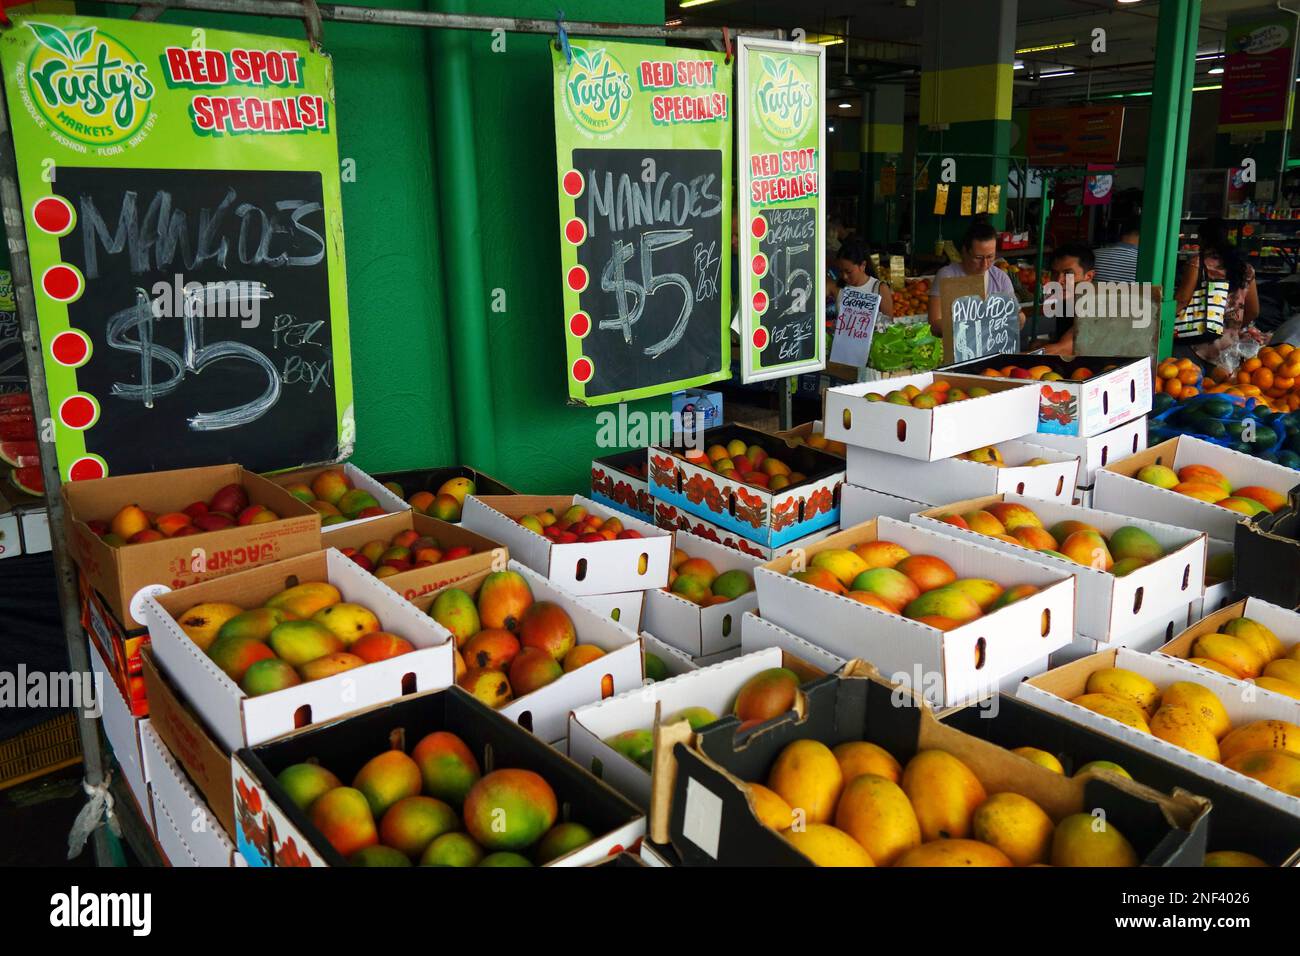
698	581
228	507
447	502
404	551
304	633
574	524
1210	485
750	464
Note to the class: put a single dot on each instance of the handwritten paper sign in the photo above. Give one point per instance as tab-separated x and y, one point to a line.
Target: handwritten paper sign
781	204
975	324
854	327
187	257
643	158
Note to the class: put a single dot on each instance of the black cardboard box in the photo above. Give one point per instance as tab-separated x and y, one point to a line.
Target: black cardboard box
1266	555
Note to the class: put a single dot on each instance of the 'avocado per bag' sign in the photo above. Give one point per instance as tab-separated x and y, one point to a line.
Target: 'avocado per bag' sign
182	211
643	156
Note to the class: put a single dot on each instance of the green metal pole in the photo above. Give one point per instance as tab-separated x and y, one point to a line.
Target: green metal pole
462	256
1171	104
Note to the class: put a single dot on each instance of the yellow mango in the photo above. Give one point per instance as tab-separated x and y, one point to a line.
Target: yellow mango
807	776
1015	825
1283	669
1126	685
827	846
875	811
306	599
1181	727
1278	686
954	853
1261	735
1232	858
857	757
944	793
1202	702
1232	652
1213	665
1040	757
1275	768
1125	711
771	810
1257	636
1084	840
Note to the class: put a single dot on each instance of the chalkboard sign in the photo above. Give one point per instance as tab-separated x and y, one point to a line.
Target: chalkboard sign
781	204
653	252
643	155
976	324
186	244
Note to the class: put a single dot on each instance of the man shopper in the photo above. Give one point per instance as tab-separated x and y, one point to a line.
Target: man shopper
979	250
1118	262
1072	260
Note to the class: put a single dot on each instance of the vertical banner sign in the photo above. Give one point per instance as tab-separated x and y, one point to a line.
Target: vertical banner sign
781	203
180	194
643	153
1258	86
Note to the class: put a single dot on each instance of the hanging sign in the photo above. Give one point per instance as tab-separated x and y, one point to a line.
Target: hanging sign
643	152
781	202
182	212
854	327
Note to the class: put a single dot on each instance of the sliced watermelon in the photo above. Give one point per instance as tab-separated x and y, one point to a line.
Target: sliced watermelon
19	454
18	430
28	480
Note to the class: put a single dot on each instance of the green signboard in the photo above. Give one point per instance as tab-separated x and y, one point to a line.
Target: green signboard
180	193
643	155
781	207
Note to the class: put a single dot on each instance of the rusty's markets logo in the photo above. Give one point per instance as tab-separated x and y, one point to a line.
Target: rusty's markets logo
784	104
87	84
598	90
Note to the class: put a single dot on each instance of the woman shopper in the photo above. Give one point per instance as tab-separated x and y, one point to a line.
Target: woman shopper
1218	261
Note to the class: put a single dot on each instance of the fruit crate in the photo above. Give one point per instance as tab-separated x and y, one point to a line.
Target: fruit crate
414	480
120	573
767	517
713	823
619	482
701	630
1055	691
1106	605
1118	488
385	502
1081	407
1266	555
39	750
1237	821
1284	624
1097	451
858	504
671	518
1009	411
272	831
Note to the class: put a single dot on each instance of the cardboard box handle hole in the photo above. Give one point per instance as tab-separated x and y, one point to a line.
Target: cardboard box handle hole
526	720
302	716
726	625
1020	488
980	656
1060	485
614	614
1105	452
607	687
1047	621
847	419
901	430
597	768
1137	600
580	571
1187	575
1105	403
409	684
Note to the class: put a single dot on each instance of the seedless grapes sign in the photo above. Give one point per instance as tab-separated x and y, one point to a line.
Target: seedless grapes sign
643	157
782	253
180	194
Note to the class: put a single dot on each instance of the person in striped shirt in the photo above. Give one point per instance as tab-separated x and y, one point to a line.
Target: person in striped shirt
1118	262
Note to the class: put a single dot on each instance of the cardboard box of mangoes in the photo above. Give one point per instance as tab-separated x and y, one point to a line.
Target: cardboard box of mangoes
342	494
1251	641
709	587
857	749
177	528
435	779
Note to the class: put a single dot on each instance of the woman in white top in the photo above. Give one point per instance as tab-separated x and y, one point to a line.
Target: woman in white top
854	266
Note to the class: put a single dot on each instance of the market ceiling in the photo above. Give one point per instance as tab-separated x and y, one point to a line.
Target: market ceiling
872	41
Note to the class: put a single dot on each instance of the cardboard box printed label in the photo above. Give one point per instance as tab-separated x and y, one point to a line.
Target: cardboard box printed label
119	573
272	830
1097	451
1261	649
1245	744
702	629
636	561
751	483
120	650
123	732
405	540
671	518
1192	484
235	717
1010	466
998	411
714	821
545	710
1080	396
1129	572
946	667
343	494
619	482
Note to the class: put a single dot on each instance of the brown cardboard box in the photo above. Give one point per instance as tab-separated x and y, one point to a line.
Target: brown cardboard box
417	581
204	760
119	573
120	648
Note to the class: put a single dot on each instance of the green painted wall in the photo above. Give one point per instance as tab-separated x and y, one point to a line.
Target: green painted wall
403	315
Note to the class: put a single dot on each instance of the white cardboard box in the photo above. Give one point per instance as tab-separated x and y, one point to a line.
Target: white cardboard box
701	631
1098	451
954	479
708	660
675	661
205	842
1051	692
11	542
1010	411
757	633
671	518
714	688
1283	623
387	500
545	712
1145	639
1106	605
36	531
238	720
625	608
1117	489
948	668
603	567
123	733
858	504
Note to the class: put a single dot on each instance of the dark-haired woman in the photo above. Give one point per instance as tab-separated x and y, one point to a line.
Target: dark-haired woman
1218	261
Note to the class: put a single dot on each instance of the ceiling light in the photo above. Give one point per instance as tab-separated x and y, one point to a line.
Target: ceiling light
1128	1
846	106
1216	71
1048	76
693	3
829	41
1019	65
674	23
1045	47
832	129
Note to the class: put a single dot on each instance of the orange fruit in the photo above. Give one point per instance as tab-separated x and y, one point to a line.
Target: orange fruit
1188	391
1262	377
1167	371
1173	387
1270	358
1251	364
1189	376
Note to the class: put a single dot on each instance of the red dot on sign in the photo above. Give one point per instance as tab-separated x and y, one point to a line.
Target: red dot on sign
86	468
760	338
575	230
582	370
52	214
579	324
77	412
759	265
69	348
573	183
61	282
577	278
758	226
760	301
